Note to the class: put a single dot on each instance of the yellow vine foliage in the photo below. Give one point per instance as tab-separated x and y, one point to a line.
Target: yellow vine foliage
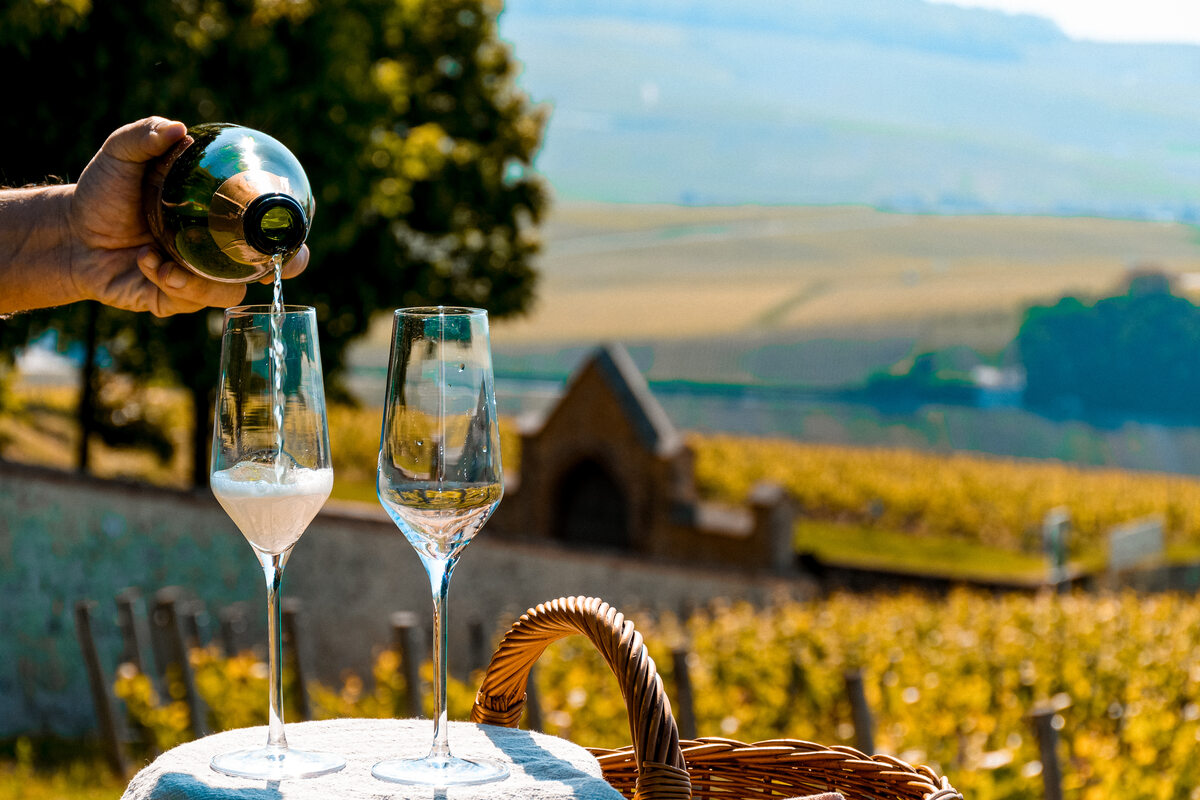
999	502
167	723
951	681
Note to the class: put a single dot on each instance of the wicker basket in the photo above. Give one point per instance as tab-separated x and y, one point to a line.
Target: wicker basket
658	765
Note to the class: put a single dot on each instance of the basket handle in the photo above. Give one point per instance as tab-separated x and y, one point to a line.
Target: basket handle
662	772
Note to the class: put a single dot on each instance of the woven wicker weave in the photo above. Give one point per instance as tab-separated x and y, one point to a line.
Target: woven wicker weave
658	766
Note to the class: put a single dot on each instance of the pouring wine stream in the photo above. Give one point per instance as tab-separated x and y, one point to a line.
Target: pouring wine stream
277	365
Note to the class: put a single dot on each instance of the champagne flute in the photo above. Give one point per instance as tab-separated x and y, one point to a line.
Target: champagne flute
439	480
271	473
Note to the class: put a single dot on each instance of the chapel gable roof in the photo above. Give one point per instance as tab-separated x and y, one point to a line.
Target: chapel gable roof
621	375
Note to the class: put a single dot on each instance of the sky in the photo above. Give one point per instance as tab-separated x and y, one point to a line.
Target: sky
1110	20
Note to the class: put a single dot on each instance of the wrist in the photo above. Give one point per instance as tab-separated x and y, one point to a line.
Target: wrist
60	270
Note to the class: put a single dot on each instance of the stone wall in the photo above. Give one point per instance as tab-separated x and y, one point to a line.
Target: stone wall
64	538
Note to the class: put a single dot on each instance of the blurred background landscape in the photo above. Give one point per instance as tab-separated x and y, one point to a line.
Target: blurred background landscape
903	105
813	197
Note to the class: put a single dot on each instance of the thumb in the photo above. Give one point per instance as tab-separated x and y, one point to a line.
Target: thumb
143	140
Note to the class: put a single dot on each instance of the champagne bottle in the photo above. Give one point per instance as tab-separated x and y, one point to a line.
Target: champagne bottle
226	200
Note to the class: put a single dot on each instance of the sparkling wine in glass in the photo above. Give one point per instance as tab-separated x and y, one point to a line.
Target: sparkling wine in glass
439	480
271	473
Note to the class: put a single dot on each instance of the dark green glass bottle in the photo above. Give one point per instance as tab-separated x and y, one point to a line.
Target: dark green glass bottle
226	200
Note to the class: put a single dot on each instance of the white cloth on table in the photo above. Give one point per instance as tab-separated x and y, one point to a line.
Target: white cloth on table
541	767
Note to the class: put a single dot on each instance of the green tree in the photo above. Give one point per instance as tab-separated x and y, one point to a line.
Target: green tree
404	113
1129	353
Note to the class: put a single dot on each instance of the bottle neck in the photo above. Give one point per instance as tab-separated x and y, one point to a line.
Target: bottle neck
254	215
275	223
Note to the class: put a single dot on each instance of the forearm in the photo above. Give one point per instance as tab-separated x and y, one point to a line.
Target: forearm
35	249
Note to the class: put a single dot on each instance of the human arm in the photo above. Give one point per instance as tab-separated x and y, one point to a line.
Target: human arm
34	248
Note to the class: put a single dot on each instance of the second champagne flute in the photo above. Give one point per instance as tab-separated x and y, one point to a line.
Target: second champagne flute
439	480
271	473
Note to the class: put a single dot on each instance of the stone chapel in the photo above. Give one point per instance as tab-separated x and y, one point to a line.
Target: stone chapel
604	468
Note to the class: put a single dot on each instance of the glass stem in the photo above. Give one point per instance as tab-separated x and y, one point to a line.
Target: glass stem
439	570
273	572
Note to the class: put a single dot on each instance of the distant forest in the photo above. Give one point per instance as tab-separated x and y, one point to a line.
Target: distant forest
1135	353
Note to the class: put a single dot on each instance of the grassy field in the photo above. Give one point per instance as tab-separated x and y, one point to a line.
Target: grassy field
51	769
713	294
666	272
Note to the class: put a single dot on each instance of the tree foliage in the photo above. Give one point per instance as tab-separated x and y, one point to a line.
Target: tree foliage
1133	353
404	113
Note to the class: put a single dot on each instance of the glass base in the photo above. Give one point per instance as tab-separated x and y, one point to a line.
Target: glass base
276	763
430	771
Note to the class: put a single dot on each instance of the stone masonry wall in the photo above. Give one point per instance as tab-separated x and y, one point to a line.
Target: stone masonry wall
64	538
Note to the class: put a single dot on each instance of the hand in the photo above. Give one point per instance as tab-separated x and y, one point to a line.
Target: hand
113	258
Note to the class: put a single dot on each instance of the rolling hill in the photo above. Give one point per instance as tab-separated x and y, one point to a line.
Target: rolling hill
898	104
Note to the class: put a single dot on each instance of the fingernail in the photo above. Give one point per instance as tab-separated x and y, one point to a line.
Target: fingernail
176	278
148	258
